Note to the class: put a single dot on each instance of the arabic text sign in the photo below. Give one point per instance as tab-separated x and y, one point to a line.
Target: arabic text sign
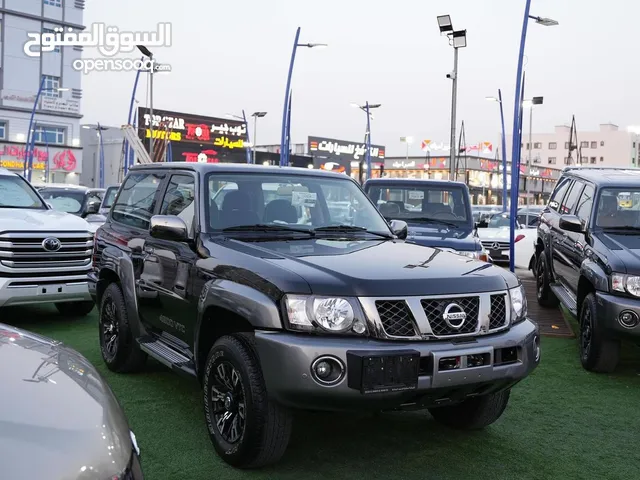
109	40
343	149
431	146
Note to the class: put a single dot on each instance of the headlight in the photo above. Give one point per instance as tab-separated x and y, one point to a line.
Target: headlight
625	284
328	314
476	255
518	304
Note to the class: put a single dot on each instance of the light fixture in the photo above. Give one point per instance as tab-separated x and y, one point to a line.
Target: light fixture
313	45
491	99
444	22
266	163
537	100
310	166
258	114
20	137
546	22
459	39
408	140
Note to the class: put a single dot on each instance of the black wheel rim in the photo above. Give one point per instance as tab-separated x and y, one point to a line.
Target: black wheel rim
109	330
228	402
540	278
586	332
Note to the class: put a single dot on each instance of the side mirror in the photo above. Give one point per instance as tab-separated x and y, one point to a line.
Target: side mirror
570	223
399	228
168	227
92	208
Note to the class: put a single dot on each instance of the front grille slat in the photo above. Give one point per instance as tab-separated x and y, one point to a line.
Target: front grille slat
490	243
498	315
396	318
434	310
23	254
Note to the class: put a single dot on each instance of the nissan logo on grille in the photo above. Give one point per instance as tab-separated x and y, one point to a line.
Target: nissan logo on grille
51	244
454	316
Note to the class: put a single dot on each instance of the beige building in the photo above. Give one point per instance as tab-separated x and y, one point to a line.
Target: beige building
609	146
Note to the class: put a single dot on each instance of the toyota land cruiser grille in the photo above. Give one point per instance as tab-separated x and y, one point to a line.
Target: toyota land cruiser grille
396	318
45	254
438	316
435	312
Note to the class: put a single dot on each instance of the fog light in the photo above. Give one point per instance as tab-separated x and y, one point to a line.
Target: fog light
358	327
327	371
536	348
628	319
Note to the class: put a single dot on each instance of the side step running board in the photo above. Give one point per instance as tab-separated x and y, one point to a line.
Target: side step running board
166	355
565	298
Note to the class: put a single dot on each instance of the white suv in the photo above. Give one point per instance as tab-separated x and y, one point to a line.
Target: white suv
45	255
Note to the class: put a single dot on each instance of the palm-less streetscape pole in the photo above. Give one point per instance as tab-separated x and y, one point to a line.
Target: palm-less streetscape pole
30	143
530	104
128	156
504	150
408	141
457	39
99	129
256	116
284	146
243	118
366	108
515	166
147	53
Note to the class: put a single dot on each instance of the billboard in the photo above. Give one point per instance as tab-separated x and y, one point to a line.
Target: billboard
337	155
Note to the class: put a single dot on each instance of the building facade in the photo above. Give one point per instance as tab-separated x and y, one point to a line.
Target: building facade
609	146
56	126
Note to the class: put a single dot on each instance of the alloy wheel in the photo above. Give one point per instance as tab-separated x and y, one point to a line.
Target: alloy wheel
540	279
586	329
110	331
228	402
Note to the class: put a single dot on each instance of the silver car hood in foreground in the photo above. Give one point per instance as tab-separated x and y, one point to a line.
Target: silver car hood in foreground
58	418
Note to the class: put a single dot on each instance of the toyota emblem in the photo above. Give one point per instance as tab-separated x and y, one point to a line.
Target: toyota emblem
51	244
454	316
495	246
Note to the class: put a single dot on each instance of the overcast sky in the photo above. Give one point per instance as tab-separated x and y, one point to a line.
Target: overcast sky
232	55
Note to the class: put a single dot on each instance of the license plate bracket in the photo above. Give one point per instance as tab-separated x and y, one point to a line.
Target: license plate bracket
51	289
373	372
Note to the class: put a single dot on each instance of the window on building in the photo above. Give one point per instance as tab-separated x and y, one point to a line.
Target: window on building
537	145
51	86
49	135
594	144
634	144
51	32
566	145
553	145
602	143
552	160
584	159
53	3
602	159
566	160
3	130
584	144
593	160
529	144
536	160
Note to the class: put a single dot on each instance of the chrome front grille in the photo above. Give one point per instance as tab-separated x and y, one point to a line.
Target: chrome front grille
24	254
423	318
490	245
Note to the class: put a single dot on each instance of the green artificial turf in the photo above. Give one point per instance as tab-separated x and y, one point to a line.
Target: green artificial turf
562	422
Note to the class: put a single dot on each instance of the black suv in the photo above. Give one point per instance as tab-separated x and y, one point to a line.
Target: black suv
438	212
587	258
257	281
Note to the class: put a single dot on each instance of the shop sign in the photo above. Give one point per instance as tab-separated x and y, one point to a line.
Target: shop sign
60	105
19	153
65	160
332	148
13	96
404	164
19	165
431	146
204	156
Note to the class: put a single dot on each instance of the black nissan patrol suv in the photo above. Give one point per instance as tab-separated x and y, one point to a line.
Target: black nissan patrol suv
587	258
276	298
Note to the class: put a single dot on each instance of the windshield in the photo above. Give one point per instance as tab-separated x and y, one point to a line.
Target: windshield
499	221
422	203
63	200
300	202
109	197
15	192
618	208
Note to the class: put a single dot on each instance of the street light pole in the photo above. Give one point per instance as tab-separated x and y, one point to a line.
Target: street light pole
366	108
128	156
99	129
147	53
454	95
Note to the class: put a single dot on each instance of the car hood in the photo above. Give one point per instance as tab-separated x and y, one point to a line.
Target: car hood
25	219
57	414
461	238
376	267
625	251
493	233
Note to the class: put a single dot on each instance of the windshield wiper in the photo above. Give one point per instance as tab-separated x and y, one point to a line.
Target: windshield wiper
351	228
263	227
622	229
433	220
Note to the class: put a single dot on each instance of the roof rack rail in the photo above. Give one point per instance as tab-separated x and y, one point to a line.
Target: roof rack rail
587	167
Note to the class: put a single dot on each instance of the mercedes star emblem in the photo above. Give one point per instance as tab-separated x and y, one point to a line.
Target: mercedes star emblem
454	316
51	244
495	246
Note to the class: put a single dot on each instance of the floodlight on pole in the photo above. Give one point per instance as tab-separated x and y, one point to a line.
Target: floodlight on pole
444	23
256	116
544	21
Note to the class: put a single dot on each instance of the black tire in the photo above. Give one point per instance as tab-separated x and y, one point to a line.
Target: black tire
597	352
119	349
473	414
75	309
546	298
234	387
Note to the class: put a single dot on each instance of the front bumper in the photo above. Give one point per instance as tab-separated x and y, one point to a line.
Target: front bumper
609	307
286	360
28	291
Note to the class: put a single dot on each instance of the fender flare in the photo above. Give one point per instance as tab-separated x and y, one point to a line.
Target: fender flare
593	272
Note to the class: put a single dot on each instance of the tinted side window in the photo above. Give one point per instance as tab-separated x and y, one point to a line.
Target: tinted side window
585	204
180	199
571	198
137	200
558	193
